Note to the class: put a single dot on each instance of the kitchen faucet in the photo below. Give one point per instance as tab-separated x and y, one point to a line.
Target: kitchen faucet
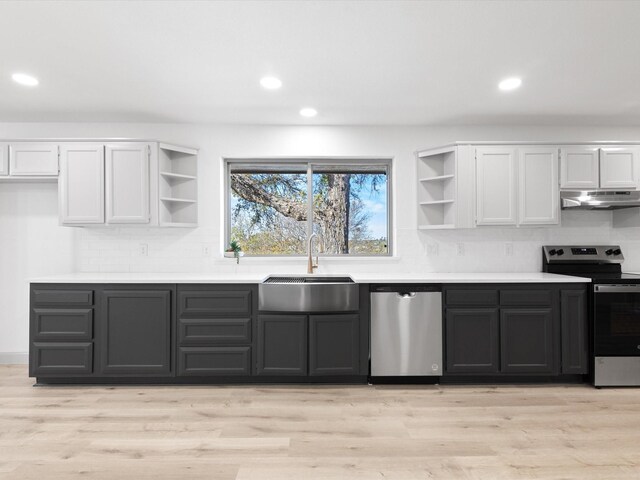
310	265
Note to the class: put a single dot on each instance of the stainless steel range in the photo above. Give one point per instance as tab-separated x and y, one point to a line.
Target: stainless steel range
614	308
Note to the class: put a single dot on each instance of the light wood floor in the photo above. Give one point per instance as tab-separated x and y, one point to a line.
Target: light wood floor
293	432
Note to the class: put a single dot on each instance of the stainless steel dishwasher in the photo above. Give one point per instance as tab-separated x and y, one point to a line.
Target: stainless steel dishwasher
406	330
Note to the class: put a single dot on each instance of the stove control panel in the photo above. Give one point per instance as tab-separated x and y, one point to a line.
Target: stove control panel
583	254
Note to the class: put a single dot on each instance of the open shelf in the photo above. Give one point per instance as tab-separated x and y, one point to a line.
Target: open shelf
177	177
178	187
177	200
438	178
436	202
436	173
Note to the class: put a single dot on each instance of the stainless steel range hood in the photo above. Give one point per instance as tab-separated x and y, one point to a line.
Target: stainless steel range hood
599	199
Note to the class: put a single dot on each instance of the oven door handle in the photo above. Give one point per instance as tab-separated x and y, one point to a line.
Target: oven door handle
617	289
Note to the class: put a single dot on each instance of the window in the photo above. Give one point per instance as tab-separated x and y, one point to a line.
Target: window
273	206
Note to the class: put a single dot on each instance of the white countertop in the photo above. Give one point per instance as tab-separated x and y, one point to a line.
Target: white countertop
524	277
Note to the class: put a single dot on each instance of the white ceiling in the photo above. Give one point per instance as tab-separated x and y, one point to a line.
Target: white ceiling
357	62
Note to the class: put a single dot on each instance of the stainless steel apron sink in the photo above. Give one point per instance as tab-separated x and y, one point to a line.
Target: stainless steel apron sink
293	293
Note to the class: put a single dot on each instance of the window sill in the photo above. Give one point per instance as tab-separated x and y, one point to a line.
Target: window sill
336	259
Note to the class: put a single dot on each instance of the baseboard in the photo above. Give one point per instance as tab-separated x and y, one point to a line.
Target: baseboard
14	358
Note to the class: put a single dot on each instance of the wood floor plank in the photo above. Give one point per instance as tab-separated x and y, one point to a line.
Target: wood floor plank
317	432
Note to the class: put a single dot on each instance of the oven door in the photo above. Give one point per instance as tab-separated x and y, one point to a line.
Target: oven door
616	320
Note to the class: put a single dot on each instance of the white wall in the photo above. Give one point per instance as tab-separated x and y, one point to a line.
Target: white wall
101	249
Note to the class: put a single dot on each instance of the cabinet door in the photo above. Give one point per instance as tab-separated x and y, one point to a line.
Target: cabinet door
38	158
496	186
618	167
472	340
526	340
334	346
81	184
135	333
579	168
127	183
573	320
4	159
282	345
538	193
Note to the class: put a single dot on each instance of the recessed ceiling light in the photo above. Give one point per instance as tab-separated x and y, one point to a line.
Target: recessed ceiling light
270	83
308	112
510	83
24	79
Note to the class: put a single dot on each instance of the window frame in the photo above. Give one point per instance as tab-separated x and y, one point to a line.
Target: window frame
309	162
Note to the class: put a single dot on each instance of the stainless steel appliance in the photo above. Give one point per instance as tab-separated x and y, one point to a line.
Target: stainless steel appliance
614	309
599	199
406	330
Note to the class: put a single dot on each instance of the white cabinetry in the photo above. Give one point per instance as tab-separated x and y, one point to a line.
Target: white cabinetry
81	184
517	185
4	159
579	167
127	183
619	167
496	186
178	186
538	194
33	159
119	183
445	188
584	167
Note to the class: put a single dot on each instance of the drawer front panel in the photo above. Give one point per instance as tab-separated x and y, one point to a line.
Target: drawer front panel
213	361
63	324
488	296
61	359
232	302
525	297
64	297
214	331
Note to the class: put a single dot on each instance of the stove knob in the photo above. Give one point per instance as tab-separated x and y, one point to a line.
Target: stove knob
552	252
609	252
617	251
560	251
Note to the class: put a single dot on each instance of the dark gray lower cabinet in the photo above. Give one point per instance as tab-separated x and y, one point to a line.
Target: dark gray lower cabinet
135	334
526	340
516	329
282	344
334	344
472	344
71	358
212	361
574	334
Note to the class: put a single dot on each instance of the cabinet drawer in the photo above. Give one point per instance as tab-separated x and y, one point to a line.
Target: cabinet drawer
63	324
214	331
33	159
230	302
61	359
459	296
65	297
211	361
525	297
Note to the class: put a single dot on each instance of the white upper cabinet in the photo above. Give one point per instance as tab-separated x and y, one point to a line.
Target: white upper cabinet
33	159
619	167
81	184
591	167
496	186
579	167
4	159
538	194
127	183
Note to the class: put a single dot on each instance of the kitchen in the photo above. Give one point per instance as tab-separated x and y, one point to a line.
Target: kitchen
277	431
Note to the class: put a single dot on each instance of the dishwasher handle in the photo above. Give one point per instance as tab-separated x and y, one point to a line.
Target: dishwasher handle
407	295
404	288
